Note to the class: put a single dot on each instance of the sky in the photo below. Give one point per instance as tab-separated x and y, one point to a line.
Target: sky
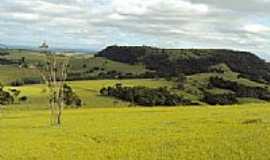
95	24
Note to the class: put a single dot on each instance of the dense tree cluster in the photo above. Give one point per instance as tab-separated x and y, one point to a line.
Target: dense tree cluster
170	62
128	54
220	99
145	96
71	98
240	89
72	76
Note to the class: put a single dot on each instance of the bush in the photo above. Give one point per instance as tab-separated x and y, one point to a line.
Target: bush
71	98
23	99
6	98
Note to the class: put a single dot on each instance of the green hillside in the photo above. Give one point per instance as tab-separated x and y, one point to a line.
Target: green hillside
170	62
106	127
198	67
81	66
248	73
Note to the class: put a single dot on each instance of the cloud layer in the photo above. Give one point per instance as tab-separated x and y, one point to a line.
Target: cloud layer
241	24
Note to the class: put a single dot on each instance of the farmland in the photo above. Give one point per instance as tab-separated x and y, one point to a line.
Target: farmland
104	129
109	128
134	80
235	132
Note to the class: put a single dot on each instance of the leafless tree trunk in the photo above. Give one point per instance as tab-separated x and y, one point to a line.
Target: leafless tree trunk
54	73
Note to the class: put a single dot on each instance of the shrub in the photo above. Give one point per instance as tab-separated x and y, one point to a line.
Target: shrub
71	98
23	99
6	98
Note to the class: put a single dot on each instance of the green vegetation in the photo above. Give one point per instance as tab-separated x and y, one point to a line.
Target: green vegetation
167	62
88	91
145	96
111	127
5	97
220	99
240	89
10	74
86	64
85	67
209	133
18	68
70	97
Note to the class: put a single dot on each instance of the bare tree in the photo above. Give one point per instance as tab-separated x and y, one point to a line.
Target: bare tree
54	74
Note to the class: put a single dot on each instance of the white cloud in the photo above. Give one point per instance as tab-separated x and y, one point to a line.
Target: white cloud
143	7
116	16
241	24
23	16
256	28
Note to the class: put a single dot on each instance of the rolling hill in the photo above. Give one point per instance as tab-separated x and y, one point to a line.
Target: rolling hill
195	66
171	62
248	71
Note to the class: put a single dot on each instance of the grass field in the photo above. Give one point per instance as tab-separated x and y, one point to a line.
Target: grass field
10	73
87	90
195	133
109	129
106	64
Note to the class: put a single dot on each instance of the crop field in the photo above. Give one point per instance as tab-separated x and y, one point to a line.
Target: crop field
208	133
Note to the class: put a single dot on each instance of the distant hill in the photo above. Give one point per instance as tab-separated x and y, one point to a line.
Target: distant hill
170	62
17	67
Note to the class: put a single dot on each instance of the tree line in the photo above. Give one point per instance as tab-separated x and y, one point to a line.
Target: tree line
219	99
240	89
145	96
237	91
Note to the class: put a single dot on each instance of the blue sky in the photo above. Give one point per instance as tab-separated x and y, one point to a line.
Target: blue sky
94	24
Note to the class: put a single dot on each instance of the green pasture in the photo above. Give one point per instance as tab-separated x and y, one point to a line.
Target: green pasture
179	133
87	90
